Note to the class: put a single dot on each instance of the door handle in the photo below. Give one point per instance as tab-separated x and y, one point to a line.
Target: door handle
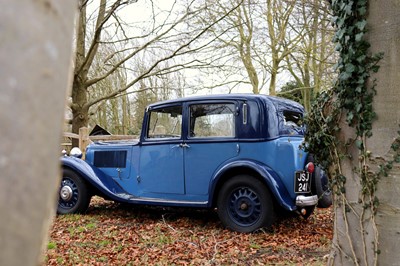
119	173
184	145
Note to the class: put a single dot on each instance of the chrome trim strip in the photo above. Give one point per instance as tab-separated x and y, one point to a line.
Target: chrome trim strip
155	200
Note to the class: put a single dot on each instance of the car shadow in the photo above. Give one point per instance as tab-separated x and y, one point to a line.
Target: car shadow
154	214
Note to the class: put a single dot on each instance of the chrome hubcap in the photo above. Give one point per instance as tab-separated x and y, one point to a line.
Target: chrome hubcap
66	193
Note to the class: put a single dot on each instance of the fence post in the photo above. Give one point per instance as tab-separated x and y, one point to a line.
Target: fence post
83	140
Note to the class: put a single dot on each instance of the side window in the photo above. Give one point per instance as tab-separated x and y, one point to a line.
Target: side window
165	123
212	120
292	119
292	123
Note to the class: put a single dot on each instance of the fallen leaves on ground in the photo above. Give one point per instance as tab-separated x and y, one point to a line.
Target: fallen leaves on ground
114	234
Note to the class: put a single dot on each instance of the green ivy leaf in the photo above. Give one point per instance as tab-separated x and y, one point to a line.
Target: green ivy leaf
362	10
344	76
359	36
350	68
375	68
350	116
395	146
361	58
358	107
361	24
349	8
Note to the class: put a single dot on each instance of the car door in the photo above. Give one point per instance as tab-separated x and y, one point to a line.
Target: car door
161	155
210	141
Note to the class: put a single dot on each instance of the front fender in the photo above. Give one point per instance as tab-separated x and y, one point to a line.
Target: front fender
269	177
93	176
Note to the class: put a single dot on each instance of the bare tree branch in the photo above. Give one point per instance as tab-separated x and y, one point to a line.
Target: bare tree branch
173	54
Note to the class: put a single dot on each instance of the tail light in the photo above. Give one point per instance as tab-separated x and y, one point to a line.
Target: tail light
310	167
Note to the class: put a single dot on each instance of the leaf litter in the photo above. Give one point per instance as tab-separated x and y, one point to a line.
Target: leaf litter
115	234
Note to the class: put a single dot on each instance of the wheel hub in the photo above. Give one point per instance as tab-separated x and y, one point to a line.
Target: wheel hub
66	193
244	206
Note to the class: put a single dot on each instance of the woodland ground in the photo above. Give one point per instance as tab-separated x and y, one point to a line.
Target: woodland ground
114	234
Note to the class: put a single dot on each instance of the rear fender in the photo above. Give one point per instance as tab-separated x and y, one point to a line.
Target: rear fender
268	176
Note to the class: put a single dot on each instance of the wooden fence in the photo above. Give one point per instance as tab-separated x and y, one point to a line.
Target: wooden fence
85	139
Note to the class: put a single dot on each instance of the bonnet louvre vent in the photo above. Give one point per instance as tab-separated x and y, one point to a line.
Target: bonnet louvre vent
110	159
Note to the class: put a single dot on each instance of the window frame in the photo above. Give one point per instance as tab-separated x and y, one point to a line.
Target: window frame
205	138
156	109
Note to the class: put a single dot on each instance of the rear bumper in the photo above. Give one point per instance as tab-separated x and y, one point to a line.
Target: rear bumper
302	201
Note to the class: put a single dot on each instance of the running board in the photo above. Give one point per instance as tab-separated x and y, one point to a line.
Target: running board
152	201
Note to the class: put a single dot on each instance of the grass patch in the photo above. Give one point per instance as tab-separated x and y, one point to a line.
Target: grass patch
51	245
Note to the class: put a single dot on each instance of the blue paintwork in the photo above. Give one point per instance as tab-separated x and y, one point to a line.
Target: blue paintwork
161	170
165	172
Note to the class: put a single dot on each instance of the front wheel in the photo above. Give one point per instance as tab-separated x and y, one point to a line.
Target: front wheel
74	196
244	204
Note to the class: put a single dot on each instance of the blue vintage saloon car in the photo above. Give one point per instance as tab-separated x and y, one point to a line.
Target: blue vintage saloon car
238	153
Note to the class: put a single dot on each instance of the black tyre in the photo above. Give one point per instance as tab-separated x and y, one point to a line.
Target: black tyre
74	196
245	204
321	188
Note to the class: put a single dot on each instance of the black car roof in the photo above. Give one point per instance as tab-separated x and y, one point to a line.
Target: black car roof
280	103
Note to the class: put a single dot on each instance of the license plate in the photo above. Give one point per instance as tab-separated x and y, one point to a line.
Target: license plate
302	182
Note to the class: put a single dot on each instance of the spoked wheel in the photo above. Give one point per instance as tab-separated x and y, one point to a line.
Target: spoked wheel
244	204
74	196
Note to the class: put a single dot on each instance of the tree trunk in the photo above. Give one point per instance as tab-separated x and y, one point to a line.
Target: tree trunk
384	37
80	111
125	114
245	28
36	54
360	236
274	74
83	62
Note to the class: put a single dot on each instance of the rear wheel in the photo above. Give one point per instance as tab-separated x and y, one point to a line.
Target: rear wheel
74	196
322	190
245	204
320	186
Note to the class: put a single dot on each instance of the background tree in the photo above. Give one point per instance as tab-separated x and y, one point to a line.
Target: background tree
228	46
261	46
311	61
113	114
278	14
292	90
166	32
355	134
240	38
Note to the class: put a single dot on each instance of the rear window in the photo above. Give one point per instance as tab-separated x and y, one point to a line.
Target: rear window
291	123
